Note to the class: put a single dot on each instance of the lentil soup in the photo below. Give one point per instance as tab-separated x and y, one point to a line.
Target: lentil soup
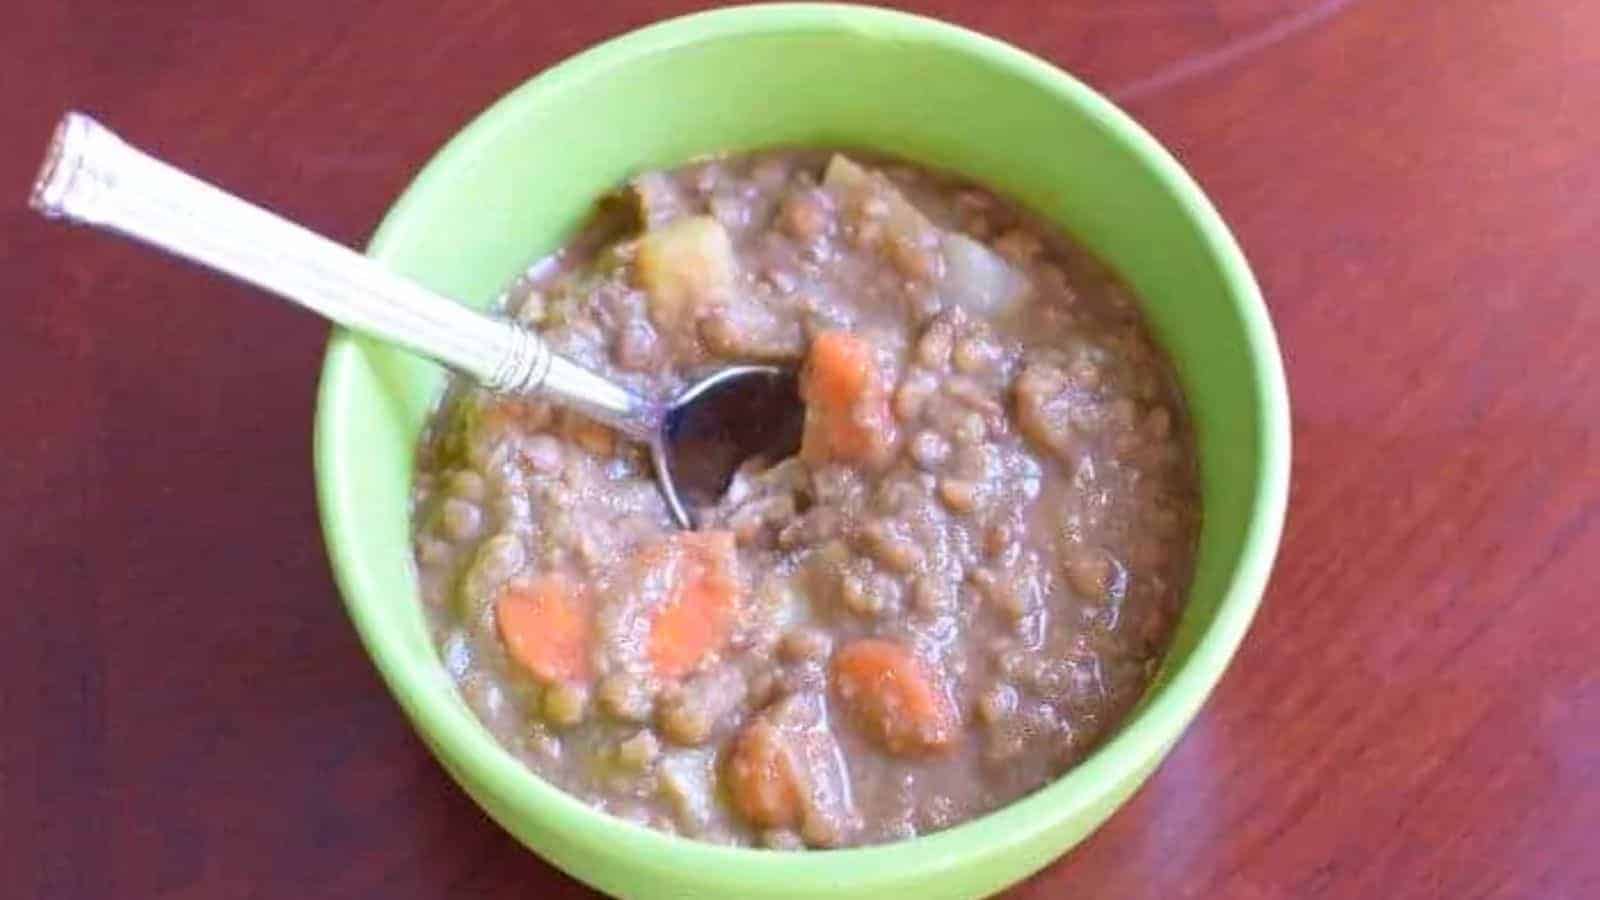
955	590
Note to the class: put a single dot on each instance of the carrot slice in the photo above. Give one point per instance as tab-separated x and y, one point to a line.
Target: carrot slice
761	777
702	603
893	697
847	403
545	625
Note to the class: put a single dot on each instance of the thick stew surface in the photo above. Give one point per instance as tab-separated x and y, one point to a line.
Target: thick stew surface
965	578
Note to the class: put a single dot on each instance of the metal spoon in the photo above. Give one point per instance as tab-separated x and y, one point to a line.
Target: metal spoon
696	441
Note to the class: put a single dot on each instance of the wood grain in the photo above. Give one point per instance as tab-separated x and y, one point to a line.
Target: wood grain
1416	713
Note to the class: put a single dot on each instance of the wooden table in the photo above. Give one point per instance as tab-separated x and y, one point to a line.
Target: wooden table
1415	714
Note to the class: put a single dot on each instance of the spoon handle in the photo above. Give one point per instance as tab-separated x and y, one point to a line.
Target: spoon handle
93	177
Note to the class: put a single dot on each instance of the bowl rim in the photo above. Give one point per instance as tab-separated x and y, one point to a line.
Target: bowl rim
1141	740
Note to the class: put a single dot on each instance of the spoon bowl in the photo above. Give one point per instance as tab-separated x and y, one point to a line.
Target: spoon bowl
735	415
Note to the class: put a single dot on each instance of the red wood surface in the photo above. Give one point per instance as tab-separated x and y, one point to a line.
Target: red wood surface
186	712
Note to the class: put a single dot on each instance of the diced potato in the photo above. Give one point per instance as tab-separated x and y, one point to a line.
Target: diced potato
845	175
688	781
855	184
684	266
978	279
975	276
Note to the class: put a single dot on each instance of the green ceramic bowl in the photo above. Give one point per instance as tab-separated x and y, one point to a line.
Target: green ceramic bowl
524	174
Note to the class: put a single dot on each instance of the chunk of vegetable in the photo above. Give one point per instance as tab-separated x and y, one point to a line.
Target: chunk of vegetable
761	777
975	276
686	779
847	403
894	698
856	184
846	175
979	280
787	771
701	606
545	625
685	266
